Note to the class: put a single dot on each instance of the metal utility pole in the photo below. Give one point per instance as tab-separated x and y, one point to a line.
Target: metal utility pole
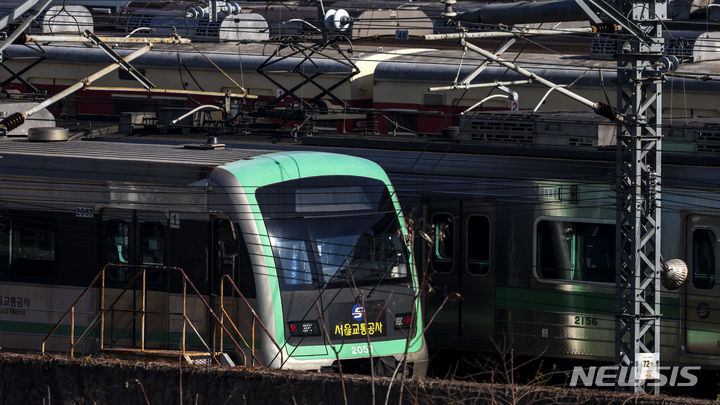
638	171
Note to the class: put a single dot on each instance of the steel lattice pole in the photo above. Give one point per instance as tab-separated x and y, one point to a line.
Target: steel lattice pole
637	324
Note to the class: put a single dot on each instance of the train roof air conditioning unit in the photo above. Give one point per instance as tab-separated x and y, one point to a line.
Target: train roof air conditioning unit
67	19
235	27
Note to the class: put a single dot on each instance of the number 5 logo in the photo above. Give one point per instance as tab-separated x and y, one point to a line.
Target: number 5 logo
357	312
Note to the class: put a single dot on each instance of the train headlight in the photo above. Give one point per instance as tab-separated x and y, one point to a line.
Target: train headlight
403	321
674	273
304	328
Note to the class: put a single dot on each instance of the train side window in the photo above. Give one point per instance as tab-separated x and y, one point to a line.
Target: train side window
226	248
234	258
32	246
576	251
478	245
152	244
703	259
117	249
152	249
444	249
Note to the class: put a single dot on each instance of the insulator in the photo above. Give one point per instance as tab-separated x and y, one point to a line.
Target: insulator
337	19
667	63
673	274
606	110
373	124
195	13
449	13
21	40
604	28
13	121
232	8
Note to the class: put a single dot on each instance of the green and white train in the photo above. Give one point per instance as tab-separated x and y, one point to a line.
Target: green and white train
316	243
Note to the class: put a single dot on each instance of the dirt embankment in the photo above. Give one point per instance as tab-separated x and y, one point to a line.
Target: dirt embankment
35	379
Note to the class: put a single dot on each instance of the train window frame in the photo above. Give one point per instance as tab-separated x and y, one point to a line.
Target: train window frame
693	261
243	271
161	243
20	224
467	245
548	280
116	274
434	257
133	102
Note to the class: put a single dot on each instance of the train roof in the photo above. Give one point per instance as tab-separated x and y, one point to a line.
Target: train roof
229	57
171	153
443	66
430	62
167	163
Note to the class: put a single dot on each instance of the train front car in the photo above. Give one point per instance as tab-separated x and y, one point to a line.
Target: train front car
329	252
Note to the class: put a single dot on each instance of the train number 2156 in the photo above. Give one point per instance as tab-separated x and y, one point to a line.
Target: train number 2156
585	321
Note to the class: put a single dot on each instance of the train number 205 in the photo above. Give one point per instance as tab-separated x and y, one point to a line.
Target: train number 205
585	321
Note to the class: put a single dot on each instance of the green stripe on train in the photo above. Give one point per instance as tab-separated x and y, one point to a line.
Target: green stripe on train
528	299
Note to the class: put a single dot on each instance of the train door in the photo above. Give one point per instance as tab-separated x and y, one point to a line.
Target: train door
223	242
702	300
445	220
136	238
225	251
230	257
477	277
461	263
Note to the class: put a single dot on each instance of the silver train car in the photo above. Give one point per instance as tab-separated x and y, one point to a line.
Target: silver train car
390	91
524	244
315	243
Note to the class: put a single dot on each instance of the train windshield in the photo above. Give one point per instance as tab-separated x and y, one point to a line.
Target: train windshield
333	231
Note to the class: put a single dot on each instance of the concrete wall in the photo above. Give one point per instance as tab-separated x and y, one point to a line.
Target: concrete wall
34	379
